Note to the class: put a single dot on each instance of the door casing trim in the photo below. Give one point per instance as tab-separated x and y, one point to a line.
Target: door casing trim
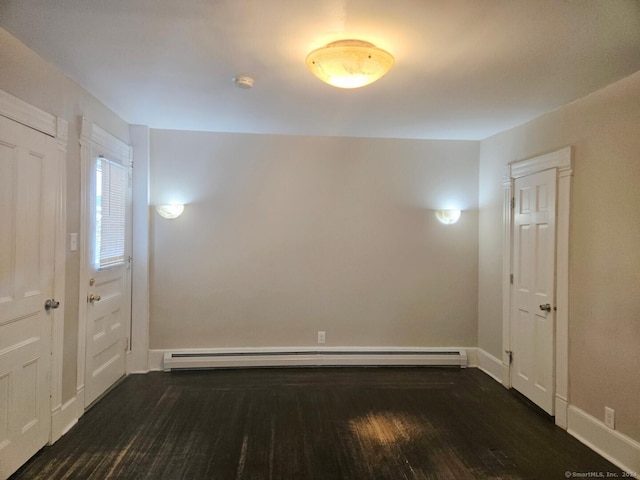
562	161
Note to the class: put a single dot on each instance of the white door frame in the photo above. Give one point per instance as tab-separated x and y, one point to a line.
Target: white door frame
139	345
562	161
111	145
22	112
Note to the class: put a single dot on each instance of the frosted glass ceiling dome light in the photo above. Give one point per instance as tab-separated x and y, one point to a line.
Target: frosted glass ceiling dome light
448	217
349	63
170	211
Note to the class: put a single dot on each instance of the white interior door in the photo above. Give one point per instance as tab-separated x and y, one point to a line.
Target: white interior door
533	302
28	185
108	310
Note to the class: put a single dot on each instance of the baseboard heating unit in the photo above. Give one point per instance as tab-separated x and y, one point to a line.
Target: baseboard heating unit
228	358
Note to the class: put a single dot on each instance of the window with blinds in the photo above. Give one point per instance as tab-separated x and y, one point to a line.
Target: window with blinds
111	202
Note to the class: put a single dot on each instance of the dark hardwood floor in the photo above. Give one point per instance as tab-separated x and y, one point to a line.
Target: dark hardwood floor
299	424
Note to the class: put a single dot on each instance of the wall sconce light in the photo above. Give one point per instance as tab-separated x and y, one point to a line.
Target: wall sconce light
170	211
448	217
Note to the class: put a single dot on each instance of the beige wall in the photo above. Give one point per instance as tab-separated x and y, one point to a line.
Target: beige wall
284	236
604	323
27	76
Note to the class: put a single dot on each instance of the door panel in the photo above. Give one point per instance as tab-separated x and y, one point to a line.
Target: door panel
28	183
533	328
107	331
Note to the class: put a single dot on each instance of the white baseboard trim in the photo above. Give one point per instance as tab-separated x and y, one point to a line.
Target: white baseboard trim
154	360
619	449
80	404
317	356
137	372
472	357
63	419
130	368
561	412
493	367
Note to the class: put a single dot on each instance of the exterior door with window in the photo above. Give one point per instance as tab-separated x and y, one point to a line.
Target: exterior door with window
108	270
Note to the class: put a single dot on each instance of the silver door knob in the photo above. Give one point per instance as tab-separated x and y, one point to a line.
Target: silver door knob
546	307
51	304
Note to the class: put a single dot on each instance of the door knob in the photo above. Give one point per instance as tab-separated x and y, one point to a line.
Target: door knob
51	304
94	298
546	307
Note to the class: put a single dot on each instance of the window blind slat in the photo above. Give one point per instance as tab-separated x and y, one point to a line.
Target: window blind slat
111	204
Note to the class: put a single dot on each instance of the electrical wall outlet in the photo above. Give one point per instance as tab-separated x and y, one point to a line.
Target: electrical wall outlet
610	417
322	336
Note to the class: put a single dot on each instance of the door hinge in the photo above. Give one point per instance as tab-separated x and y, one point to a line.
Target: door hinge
126	344
510	353
129	262
513	202
511	278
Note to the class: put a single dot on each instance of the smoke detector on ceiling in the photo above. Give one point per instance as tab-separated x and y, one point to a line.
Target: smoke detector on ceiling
243	81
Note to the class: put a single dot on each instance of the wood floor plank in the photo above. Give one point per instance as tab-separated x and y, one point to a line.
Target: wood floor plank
314	423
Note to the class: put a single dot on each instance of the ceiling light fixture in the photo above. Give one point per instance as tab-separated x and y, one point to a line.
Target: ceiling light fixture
349	63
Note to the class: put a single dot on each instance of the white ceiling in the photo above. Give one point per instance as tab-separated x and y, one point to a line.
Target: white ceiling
465	69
